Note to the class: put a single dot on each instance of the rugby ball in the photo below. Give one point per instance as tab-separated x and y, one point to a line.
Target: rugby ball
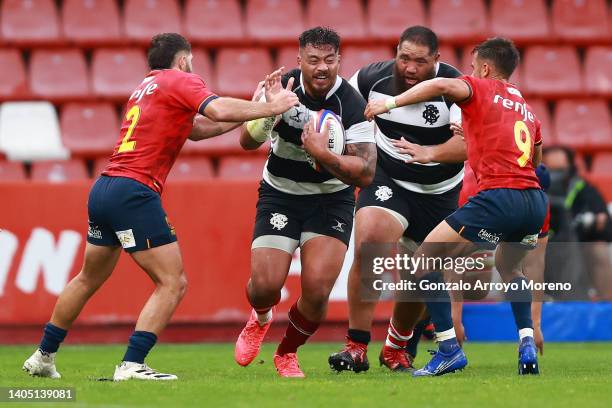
326	119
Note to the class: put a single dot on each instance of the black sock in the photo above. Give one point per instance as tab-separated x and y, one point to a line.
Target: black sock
141	342
520	301
359	336
413	343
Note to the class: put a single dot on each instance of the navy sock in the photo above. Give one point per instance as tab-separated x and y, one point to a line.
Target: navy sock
520	301
438	303
52	338
141	342
359	336
413	343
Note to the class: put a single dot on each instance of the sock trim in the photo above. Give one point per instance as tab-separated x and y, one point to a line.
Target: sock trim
446	335
525	332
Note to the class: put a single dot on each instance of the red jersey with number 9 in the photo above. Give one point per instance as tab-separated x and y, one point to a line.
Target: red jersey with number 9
158	120
501	131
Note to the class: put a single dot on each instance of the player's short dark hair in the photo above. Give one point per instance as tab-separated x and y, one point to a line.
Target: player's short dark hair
164	48
320	36
501	52
422	36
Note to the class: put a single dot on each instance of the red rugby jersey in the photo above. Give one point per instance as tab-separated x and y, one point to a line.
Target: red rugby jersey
158	119
501	131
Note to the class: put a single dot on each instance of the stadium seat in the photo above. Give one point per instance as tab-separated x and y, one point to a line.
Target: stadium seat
583	124
242	167
458	21
58	74
99	165
466	66
142	19
13	83
11	171
91	22
354	57
30	131
581	21
387	19
552	71
203	66
191	169
89	129
116	72
598	70
602	164
542	112
29	22
449	55
59	171
345	16
274	21
213	22
240	69
508	19
287	57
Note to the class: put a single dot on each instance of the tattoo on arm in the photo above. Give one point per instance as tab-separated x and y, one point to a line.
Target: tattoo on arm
365	151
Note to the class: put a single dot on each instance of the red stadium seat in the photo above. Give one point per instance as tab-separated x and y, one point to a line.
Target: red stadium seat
583	124
355	57
28	22
91	21
274	20
542	112
387	19
11	171
508	19
287	57
203	66
466	66
213	21
598	70
142	19
13	83
115	73
191	169
59	74
581	21
345	16
240	69
89	129
458	21
59	171
602	164
552	71
242	167
449	55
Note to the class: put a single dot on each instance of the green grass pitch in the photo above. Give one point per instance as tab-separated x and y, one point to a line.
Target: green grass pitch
573	375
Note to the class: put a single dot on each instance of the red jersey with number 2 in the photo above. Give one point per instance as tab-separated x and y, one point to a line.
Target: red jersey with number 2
158	120
501	131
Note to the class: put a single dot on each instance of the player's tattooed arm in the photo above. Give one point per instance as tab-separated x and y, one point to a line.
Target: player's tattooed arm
355	167
451	88
204	128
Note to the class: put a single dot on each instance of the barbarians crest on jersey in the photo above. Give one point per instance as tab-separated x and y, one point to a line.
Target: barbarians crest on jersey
431	114
297	117
278	221
383	193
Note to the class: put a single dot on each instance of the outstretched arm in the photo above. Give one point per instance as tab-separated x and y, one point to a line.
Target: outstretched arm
204	128
451	88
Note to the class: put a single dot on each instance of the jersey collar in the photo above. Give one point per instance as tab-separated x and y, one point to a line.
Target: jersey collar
331	91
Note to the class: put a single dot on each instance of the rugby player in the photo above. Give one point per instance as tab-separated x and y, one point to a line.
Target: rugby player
124	205
503	141
300	206
412	191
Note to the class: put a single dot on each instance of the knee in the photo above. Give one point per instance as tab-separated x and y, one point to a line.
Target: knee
317	297
264	288
175	284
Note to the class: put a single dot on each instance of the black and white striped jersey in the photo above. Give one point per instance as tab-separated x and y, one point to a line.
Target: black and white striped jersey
426	123
287	168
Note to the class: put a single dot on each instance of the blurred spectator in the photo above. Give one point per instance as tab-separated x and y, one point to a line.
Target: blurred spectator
578	211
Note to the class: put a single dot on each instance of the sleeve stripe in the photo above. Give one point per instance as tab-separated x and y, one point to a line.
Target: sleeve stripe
205	103
471	92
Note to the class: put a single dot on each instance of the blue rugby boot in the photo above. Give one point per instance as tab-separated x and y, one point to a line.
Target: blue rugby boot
528	357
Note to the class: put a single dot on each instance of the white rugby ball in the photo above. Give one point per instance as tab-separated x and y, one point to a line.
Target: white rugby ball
326	119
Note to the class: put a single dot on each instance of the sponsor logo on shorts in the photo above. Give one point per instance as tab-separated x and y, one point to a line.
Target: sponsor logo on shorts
530	240
126	238
489	236
278	221
338	226
383	193
172	230
94	232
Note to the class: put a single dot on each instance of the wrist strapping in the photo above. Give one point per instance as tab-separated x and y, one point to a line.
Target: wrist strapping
390	103
261	129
